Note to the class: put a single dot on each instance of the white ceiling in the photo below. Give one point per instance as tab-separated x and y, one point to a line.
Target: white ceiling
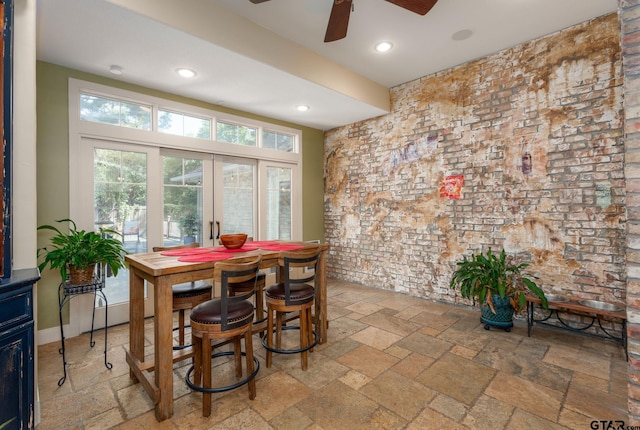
267	58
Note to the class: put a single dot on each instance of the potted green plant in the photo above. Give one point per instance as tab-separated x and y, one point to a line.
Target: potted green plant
498	283
79	251
189	227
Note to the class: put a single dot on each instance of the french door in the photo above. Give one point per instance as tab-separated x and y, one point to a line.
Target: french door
235	197
277	208
254	197
186	198
116	189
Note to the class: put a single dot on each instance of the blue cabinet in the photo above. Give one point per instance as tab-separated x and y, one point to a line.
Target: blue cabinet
17	350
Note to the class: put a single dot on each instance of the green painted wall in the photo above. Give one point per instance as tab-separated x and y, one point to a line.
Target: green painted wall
53	164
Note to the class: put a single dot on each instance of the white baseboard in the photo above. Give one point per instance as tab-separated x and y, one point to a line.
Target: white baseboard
52	334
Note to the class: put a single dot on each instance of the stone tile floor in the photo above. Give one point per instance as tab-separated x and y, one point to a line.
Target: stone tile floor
391	362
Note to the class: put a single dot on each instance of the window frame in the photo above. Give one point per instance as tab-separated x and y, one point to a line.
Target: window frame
79	128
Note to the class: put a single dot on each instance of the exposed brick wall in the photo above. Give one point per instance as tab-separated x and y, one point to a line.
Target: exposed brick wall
559	99
629	12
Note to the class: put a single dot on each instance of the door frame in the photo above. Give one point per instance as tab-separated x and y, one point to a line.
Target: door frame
82	210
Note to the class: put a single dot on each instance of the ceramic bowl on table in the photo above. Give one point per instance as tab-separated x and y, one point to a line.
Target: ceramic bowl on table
233	241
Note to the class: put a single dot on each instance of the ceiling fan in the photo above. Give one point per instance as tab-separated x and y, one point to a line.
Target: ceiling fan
341	9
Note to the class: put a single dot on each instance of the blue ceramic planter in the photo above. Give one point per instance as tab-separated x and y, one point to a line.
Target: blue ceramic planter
503	317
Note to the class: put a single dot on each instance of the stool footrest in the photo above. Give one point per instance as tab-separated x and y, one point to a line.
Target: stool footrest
226	387
290	351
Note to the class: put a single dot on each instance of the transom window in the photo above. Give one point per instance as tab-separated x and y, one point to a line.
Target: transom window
125	113
115	112
183	125
236	133
277	141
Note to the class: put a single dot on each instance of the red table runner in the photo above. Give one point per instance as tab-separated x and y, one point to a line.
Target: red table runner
193	255
199	258
245	248
185	251
261	243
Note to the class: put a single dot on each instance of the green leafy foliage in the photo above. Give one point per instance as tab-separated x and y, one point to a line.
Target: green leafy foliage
481	276
80	249
189	223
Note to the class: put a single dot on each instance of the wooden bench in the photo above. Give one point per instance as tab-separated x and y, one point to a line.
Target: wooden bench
575	307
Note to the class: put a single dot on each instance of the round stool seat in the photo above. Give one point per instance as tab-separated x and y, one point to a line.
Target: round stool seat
299	293
190	289
210	312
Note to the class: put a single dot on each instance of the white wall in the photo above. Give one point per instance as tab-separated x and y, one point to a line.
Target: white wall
24	135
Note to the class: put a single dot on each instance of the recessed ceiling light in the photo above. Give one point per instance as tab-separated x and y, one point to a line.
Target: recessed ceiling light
186	73
116	70
303	108
462	34
383	46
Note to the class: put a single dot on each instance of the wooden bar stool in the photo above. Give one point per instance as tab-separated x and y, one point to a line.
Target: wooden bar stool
186	296
289	295
224	318
244	287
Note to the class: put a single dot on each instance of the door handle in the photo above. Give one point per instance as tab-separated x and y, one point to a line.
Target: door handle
218	224
210	230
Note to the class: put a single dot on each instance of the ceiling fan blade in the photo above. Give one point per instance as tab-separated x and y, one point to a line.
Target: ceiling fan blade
338	20
258	1
420	7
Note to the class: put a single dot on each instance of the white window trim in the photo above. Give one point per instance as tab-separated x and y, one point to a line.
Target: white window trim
156	138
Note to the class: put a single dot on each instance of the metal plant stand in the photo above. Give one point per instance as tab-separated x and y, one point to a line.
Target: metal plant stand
66	291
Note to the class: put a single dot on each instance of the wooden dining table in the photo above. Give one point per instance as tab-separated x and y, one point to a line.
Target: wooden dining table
155	371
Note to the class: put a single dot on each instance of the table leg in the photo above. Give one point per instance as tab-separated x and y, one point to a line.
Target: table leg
136	317
163	351
321	298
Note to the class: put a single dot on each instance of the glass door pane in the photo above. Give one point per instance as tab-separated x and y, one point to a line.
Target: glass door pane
183	200
278	203
238	197
120	204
